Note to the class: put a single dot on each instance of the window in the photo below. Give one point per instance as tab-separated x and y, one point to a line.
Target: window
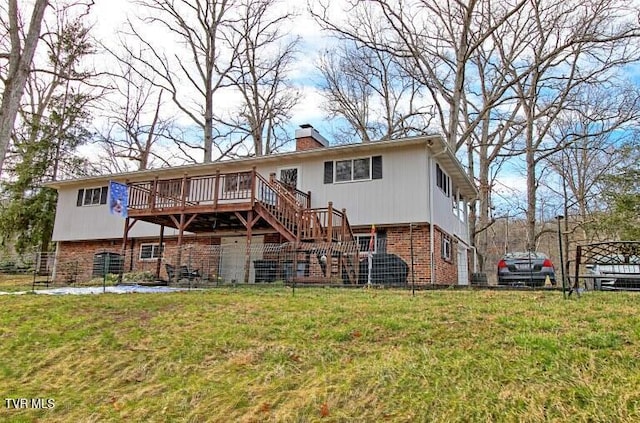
92	196
172	188
237	182
150	251
361	169
443	181
289	177
445	247
364	241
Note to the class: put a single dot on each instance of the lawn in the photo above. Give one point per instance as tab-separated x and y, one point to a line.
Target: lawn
251	355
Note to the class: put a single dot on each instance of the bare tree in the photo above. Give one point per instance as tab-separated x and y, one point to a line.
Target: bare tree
16	64
565	37
439	45
192	75
435	41
479	59
372	93
595	135
135	128
263	54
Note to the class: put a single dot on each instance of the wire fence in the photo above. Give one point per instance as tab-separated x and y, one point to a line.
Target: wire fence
196	265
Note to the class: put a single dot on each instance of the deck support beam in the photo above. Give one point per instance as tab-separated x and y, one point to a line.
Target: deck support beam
248	223
161	255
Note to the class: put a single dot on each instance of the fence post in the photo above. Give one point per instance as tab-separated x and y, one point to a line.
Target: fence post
105	267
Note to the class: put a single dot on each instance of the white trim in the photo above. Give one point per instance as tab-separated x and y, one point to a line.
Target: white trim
335	170
155	253
298	168
446	246
357	237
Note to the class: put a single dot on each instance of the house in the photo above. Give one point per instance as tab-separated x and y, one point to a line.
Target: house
411	195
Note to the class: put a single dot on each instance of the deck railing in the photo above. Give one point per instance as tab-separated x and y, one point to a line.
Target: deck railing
291	208
303	199
192	191
280	206
326	224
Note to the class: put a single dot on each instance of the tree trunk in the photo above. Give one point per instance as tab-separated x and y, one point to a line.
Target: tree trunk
19	66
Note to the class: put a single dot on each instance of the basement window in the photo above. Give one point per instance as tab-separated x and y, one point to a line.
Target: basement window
150	251
364	241
445	246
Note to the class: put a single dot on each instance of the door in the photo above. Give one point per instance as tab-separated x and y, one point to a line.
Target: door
233	257
290	176
463	266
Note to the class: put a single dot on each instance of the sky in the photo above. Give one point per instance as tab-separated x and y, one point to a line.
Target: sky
110	16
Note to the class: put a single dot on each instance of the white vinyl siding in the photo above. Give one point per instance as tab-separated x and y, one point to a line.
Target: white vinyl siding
397	191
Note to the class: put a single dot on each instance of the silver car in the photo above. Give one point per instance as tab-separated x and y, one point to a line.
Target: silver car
613	272
530	268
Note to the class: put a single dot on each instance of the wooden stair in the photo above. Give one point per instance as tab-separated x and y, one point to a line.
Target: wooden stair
287	210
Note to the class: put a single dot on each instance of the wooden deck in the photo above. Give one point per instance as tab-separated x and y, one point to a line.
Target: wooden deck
235	200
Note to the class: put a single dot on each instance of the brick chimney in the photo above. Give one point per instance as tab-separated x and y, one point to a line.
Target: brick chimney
307	138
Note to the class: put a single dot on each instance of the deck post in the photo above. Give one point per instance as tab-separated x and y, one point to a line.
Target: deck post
247	262
216	189
125	236
308	199
343	226
161	255
300	225
152	197
183	191
330	222
253	186
179	253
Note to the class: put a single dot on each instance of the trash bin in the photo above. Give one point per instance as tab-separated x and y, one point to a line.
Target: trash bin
386	269
107	262
265	270
479	279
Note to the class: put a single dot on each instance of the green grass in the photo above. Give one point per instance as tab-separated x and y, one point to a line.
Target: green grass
322	355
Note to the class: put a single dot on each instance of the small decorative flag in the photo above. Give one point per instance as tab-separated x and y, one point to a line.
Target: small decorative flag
372	240
118	198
